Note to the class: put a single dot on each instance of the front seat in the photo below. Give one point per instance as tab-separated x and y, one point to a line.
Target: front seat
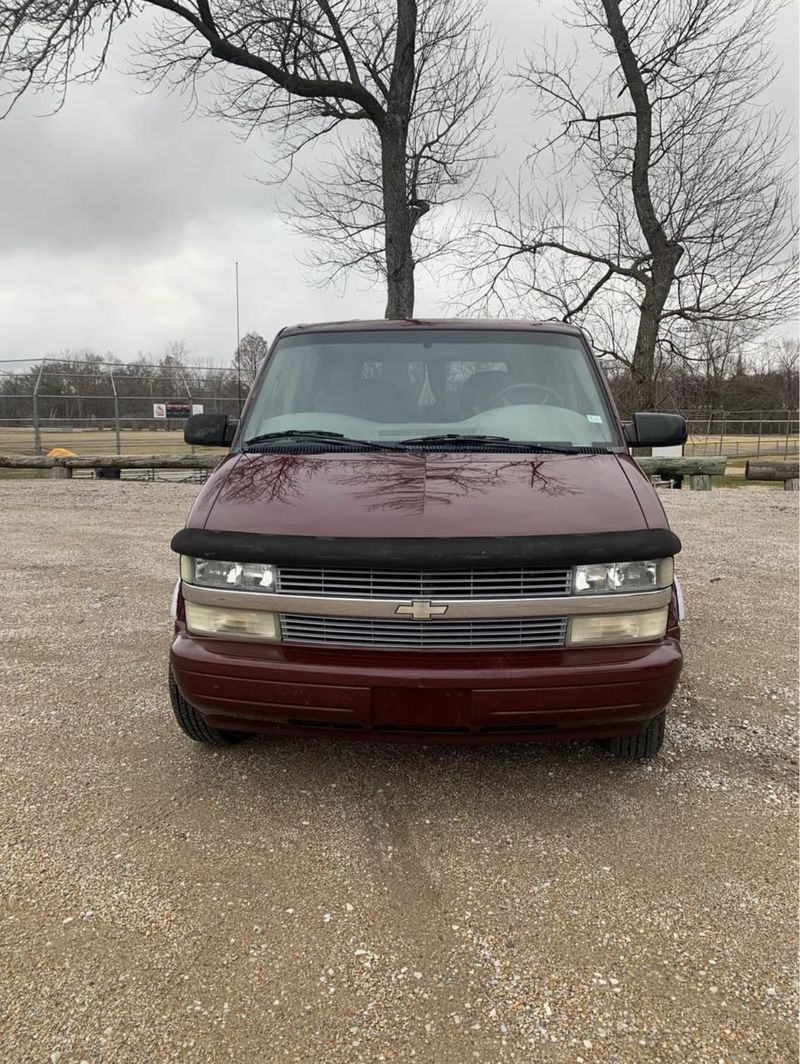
380	400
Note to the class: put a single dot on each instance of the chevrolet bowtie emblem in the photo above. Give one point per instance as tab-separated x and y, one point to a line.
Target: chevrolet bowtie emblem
421	610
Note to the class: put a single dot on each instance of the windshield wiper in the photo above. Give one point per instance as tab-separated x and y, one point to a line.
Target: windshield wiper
457	437
321	436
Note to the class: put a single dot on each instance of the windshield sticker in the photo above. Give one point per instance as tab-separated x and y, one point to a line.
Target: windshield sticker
594	418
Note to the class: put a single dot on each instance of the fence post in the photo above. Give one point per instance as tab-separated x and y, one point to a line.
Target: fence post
116	410
191	401
37	435
722	431
786	441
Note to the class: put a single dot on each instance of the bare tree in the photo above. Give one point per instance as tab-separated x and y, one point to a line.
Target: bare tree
667	199
247	360
712	351
340	204
302	68
781	360
177	351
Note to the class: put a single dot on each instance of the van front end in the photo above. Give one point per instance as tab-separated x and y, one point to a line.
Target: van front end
474	651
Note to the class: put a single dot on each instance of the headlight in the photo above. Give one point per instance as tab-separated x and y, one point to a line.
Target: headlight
239	576
605	577
231	623
617	627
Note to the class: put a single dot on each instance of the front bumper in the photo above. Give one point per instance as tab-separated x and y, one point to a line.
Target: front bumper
457	697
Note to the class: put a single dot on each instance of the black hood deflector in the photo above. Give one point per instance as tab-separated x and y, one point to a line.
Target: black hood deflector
535	552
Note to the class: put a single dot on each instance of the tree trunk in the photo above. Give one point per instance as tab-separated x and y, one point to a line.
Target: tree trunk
397	220
664	253
651	310
644	354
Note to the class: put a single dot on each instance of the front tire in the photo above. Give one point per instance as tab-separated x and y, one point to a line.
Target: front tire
192	724
643	746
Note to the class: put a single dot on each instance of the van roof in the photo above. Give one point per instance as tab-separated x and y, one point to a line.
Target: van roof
359	325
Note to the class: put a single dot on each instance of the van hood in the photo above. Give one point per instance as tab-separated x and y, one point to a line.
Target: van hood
384	494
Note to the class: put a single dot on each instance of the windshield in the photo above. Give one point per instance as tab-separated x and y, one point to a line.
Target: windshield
386	386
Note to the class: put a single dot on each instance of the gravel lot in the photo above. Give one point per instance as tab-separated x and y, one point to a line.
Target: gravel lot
322	902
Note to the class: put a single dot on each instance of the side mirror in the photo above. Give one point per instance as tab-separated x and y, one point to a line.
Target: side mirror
210	430
656	430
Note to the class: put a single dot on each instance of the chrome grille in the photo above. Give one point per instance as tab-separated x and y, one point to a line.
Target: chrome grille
404	634
427	583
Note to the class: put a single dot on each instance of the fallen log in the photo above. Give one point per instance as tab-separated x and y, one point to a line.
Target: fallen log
143	461
27	461
788	472
62	468
684	467
111	461
701	466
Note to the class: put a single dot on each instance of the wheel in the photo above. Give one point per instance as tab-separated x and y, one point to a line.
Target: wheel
192	724
644	745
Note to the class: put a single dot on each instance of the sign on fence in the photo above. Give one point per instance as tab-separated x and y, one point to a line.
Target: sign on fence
173	410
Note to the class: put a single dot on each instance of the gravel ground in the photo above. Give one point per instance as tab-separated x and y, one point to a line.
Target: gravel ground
326	902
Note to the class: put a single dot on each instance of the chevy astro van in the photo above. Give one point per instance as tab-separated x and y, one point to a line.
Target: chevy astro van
428	531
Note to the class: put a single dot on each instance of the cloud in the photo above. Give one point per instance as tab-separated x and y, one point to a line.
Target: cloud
120	223
119	302
121	218
119	168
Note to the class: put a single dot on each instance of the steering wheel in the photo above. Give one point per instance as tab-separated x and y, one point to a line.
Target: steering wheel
542	389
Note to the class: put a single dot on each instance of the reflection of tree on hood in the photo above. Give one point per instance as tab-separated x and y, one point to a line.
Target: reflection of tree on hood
269	478
406	482
425	480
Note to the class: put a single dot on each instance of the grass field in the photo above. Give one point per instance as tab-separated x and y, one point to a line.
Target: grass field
742	446
95	441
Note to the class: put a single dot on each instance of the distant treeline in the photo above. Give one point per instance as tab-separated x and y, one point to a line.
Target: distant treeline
720	379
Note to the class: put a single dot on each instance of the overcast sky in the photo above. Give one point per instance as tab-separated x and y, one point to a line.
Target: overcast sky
121	218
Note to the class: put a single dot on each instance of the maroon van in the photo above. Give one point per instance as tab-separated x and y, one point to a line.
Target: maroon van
428	531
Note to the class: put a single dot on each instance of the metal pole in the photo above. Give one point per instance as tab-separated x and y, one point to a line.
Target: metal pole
722	431
37	436
238	346
786	442
116	410
190	397
760	430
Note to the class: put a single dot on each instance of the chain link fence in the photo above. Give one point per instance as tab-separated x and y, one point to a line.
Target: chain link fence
742	433
107	408
96	407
